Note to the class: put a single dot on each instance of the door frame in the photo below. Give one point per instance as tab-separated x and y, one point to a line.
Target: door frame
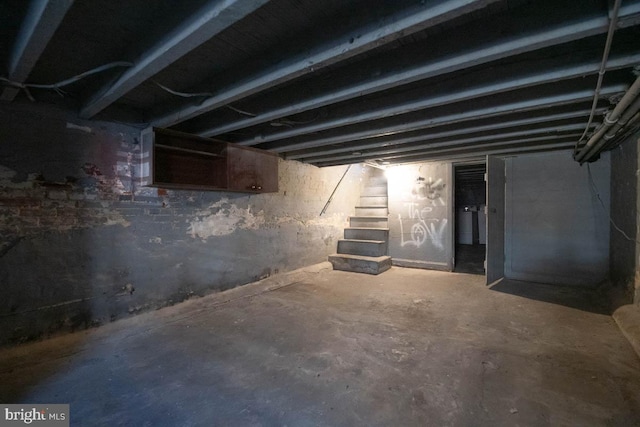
495	214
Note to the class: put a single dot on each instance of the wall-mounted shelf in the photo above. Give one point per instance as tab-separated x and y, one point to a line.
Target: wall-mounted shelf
182	161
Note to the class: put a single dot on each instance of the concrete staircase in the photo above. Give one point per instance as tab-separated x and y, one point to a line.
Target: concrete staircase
365	244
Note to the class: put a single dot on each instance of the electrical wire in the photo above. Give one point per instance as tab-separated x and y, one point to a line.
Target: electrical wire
603	66
183	94
595	188
66	82
201	94
237	110
291	123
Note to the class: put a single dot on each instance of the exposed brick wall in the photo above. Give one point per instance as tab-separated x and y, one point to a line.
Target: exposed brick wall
81	244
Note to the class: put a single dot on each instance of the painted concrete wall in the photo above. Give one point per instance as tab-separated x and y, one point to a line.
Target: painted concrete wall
625	213
556	229
420	215
81	246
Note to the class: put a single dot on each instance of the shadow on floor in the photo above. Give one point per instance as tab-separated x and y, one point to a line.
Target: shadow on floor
470	259
590	300
411	347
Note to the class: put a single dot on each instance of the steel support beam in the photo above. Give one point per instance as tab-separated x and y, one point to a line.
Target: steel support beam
395	151
512	149
509	148
428	123
629	15
551	76
339	50
486	113
41	22
210	20
457	132
522	142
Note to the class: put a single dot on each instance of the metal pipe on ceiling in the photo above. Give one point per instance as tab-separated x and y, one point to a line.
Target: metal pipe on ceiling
624	120
627	118
632	126
623	112
613	21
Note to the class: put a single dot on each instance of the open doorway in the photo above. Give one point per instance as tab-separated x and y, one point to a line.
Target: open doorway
471	234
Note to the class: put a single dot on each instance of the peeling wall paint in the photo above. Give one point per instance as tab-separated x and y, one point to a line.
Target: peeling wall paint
34	206
222	218
76	233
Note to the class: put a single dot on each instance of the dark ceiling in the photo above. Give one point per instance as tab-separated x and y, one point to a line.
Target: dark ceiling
330	81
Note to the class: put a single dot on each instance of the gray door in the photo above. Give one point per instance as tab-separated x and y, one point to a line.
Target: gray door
495	219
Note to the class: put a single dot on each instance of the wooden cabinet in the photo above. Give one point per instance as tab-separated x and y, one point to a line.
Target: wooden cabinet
252	170
182	161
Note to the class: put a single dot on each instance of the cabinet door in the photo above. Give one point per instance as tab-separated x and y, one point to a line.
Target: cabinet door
252	170
242	169
267	172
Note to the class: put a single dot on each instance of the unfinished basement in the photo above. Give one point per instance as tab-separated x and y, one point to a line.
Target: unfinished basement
320	213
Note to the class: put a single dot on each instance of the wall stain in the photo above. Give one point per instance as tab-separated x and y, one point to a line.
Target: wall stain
80	204
223	218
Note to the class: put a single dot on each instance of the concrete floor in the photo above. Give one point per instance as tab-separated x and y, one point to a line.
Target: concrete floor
470	259
321	347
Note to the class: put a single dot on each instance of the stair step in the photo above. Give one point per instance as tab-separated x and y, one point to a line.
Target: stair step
375	180
369	221
360	264
371	211
373	248
373	201
366	233
377	190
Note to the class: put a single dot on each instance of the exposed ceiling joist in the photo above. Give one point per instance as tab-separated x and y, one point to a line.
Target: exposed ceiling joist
549	76
503	151
401	151
457	132
480	114
546	38
42	20
520	143
478	152
337	82
339	50
423	124
210	20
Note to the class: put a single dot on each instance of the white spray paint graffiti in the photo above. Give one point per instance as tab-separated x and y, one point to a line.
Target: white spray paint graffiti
423	228
426	194
428	190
